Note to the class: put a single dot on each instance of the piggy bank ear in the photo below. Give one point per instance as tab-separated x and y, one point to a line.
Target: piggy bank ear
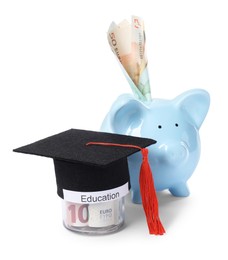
125	114
194	103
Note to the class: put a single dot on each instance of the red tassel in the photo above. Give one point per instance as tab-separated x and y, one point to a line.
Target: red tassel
149	197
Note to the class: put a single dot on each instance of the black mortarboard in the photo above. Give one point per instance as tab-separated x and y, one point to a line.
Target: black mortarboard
89	160
80	167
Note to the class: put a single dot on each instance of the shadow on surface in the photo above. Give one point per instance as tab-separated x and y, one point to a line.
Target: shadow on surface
170	208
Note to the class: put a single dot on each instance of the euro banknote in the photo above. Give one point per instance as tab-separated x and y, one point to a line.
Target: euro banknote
127	41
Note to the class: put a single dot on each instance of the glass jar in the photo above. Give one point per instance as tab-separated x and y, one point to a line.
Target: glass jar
95	218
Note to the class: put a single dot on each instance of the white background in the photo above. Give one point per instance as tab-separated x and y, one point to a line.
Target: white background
58	72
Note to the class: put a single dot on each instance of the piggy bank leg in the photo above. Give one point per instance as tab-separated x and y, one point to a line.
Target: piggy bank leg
136	196
134	169
180	190
135	189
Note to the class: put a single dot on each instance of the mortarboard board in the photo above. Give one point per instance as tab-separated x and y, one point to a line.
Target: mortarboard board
89	160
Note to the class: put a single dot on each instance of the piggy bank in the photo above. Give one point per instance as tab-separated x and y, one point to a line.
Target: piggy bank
174	124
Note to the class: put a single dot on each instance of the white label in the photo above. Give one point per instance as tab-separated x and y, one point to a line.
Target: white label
96	196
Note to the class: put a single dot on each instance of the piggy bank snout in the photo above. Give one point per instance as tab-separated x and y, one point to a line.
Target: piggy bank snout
173	153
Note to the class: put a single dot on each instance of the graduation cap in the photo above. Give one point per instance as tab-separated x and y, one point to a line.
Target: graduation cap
96	161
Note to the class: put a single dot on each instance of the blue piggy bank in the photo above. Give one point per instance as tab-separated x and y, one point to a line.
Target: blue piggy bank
174	124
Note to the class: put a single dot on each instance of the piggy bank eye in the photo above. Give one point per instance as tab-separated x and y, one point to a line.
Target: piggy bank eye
176	125
159	126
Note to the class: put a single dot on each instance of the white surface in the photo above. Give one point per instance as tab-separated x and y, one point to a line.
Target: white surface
57	72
